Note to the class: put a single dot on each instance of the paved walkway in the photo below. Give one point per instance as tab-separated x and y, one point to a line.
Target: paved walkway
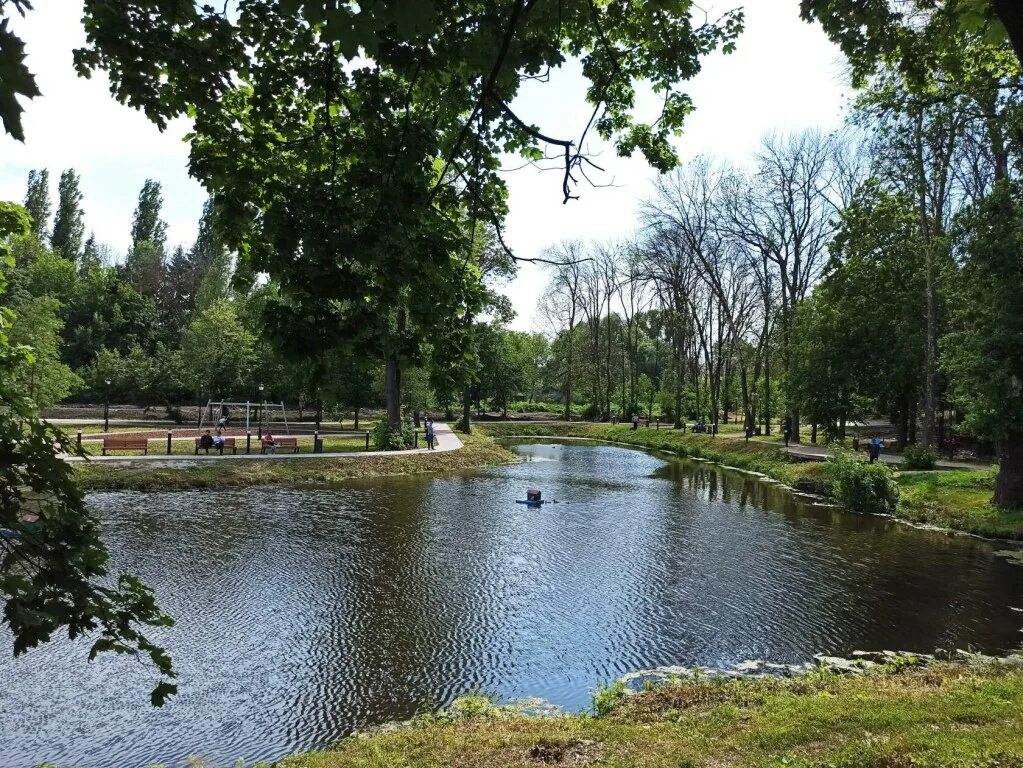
447	440
819	453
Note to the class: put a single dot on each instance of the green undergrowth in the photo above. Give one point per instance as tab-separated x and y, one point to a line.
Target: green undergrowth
946	716
955	499
479	451
959	499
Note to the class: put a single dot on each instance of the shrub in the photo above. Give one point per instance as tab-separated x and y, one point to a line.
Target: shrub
919	457
387	439
860	486
607	698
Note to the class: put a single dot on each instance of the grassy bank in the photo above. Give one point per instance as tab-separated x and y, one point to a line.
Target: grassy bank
947	715
479	451
960	499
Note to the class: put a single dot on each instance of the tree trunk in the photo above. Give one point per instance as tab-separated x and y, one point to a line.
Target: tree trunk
392	390
1010	13
930	353
466	423
1009	483
767	392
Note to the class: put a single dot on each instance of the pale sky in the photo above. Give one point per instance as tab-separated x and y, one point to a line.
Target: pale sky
785	75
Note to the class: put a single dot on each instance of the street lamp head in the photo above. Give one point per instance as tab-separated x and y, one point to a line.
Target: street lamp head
260	387
107	382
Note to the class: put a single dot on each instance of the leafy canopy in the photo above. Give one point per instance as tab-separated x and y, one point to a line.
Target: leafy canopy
53	566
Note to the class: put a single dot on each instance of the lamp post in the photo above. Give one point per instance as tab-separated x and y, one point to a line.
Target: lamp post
260	433
106	407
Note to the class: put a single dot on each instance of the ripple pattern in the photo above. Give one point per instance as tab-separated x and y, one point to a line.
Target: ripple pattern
302	616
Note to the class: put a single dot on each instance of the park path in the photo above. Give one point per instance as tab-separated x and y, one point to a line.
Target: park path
447	440
819	453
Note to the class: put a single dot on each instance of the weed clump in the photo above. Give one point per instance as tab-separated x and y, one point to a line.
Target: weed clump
862	487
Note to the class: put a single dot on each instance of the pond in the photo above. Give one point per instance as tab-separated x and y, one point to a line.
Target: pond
303	615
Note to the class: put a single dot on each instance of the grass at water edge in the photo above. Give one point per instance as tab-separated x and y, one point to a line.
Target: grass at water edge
959	500
478	451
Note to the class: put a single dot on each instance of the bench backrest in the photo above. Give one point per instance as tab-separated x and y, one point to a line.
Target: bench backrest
289	441
228	441
125	442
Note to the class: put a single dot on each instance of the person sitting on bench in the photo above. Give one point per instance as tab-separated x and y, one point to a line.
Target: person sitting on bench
269	444
206	441
218	439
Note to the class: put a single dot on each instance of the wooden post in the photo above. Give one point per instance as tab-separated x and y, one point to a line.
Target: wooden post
367	441
248	441
79	441
316	441
170	434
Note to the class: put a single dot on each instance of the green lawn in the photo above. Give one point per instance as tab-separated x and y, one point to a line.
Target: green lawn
303	473
943	717
959	499
186	447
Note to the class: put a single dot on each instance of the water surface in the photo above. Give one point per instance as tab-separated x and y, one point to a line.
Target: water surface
304	615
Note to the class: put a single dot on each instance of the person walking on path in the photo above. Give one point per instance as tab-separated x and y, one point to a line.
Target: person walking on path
635	421
786	430
874	449
430	434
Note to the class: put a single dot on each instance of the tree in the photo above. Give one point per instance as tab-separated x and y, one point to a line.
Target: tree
53	566
43	377
914	36
91	255
210	261
37	202
146	224
68	226
351	180
144	268
217	351
983	354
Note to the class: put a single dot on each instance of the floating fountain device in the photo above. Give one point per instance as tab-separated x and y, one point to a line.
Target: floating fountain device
534	498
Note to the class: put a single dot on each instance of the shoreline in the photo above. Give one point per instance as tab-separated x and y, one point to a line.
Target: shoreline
951	501
308	472
881	710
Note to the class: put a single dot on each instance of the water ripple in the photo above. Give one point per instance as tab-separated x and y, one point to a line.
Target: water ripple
304	615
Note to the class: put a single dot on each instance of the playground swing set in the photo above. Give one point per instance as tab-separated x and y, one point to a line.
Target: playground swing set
216	410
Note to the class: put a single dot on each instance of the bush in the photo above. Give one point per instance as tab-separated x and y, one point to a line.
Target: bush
860	486
919	457
607	698
387	439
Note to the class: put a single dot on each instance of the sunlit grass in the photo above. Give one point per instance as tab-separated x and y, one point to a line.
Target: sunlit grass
300	473
946	716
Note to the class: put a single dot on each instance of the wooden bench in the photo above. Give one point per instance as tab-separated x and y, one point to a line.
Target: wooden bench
229	442
281	442
125	444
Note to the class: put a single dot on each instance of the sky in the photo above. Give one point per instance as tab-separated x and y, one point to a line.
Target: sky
784	76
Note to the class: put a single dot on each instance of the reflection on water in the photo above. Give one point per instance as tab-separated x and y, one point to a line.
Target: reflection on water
303	615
